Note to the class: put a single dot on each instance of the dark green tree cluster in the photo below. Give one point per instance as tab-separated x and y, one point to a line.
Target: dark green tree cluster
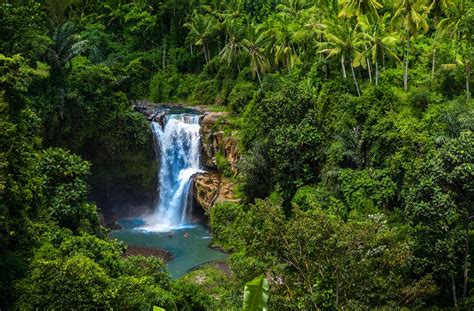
54	254
388	167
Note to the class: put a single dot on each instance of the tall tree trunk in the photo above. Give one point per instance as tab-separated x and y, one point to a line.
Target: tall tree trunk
205	53
287	62
383	61
369	69
376	71
164	55
355	79
433	63
466	260
343	68
453	288
405	75
208	53
455	48
468	76
259	79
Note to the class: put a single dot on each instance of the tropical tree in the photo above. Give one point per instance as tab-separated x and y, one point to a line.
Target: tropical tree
437	8
458	27
278	35
201	29
411	13
342	39
233	9
233	47
66	44
352	8
294	8
381	42
255	50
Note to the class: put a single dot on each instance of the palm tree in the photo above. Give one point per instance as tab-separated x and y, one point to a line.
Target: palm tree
233	13
458	27
342	39
437	7
66	44
278	35
233	48
411	14
201	29
255	50
352	8
293	8
381	42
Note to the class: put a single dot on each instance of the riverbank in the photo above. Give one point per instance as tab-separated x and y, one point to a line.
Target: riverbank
135	250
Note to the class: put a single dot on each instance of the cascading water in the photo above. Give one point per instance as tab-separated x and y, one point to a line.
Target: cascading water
179	149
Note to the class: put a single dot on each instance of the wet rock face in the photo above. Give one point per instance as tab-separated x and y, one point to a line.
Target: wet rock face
206	189
144	107
215	141
211	188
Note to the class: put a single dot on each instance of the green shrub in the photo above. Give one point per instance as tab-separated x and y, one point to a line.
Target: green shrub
75	283
163	85
186	86
189	297
223	165
224	219
206	92
138	76
241	94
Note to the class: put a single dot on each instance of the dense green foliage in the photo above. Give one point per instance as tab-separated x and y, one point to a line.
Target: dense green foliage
355	122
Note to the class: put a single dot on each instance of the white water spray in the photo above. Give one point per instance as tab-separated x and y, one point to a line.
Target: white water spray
179	150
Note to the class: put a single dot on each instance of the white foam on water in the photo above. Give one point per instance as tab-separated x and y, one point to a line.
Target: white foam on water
178	145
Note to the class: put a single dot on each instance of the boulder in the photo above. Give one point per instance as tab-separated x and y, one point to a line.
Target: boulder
160	118
206	189
144	107
210	188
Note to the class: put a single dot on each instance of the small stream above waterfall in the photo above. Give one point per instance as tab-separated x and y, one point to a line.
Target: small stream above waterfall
170	225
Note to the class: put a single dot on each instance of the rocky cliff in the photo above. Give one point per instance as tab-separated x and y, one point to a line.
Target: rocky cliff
216	142
211	188
219	156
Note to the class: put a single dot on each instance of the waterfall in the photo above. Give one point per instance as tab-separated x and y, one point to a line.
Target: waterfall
179	155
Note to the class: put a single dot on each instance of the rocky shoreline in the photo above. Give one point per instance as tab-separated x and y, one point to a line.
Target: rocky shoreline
135	250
